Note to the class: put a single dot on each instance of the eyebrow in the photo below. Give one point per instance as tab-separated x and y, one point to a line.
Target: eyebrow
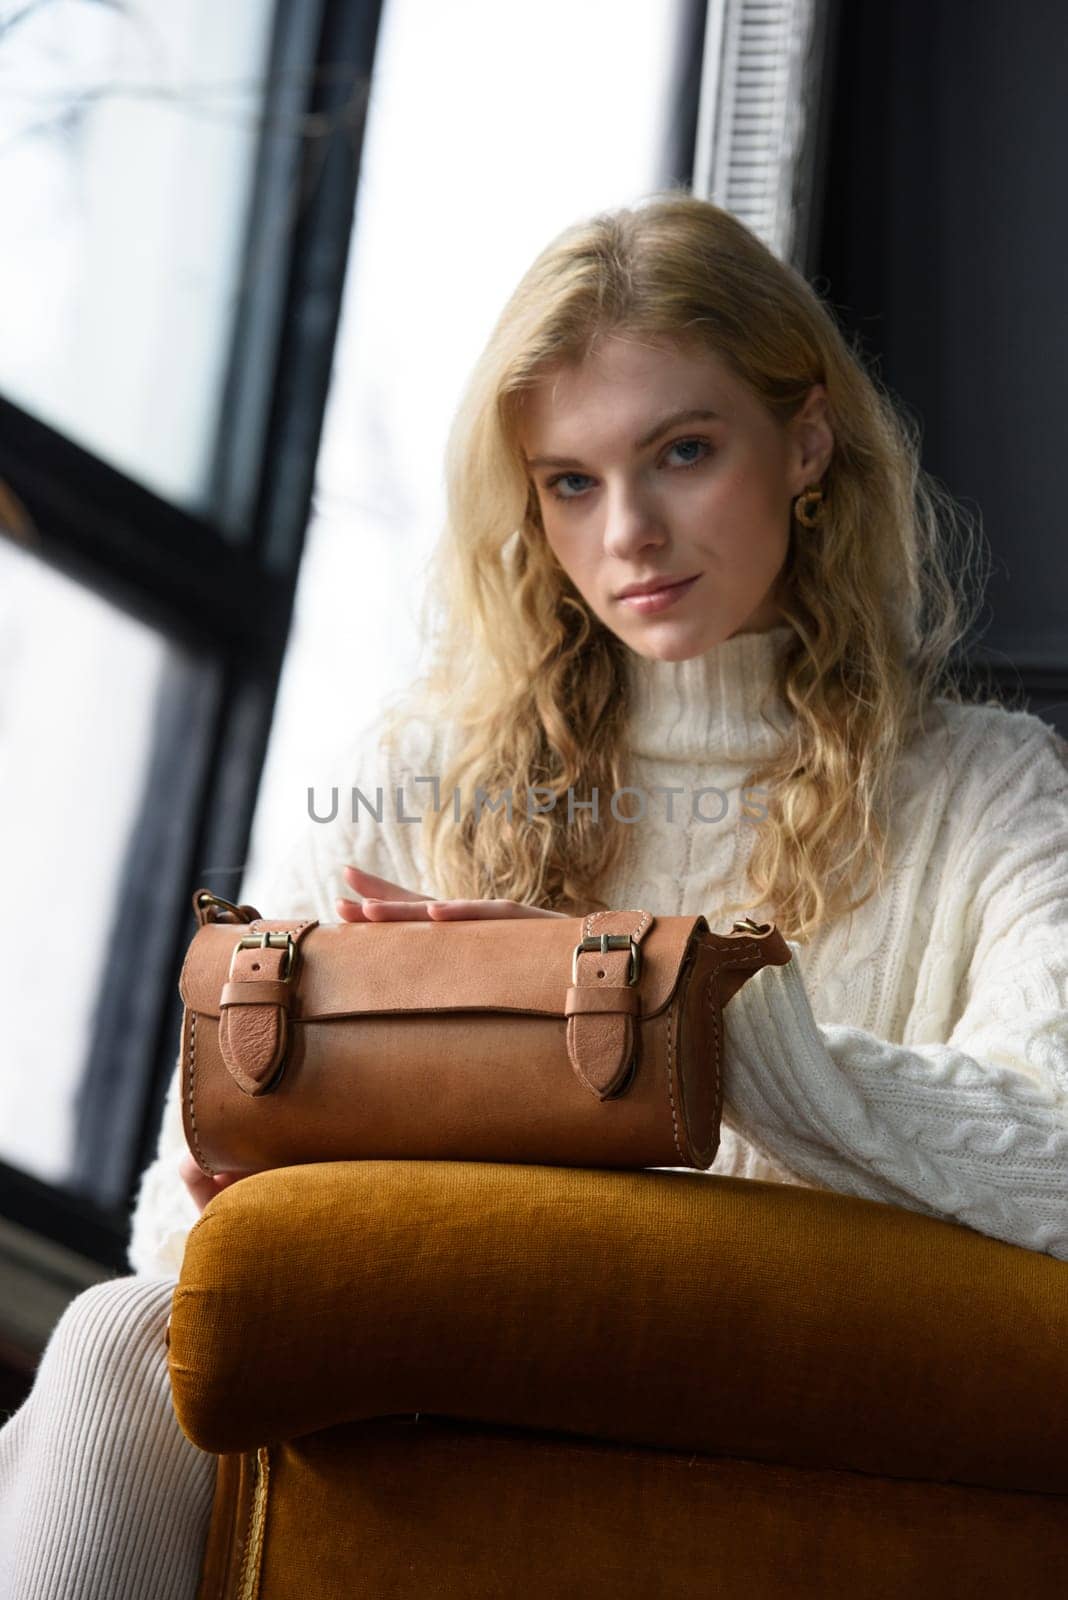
694	414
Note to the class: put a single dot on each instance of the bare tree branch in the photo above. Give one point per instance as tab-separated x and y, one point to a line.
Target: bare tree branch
22	13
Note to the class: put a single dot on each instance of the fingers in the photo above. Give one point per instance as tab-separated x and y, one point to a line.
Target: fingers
383	901
350	911
377	892
459	910
203	1186
386	910
450	910
191	1175
431	910
368	883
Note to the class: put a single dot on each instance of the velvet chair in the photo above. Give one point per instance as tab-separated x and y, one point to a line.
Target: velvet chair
429	1379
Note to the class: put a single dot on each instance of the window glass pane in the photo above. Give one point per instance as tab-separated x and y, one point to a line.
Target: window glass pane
78	684
515	121
127	143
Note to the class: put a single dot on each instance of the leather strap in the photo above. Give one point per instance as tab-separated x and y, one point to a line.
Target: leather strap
255	992
256	1002
601	1005
586	998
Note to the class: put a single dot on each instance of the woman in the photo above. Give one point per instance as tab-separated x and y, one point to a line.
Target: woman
663	403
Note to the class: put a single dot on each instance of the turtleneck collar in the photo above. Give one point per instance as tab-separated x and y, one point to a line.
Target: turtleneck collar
710	707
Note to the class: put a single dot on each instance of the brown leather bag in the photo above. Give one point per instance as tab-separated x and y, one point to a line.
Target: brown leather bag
567	1041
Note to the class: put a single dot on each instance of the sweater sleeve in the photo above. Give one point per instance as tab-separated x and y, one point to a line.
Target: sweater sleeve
974	1129
305	882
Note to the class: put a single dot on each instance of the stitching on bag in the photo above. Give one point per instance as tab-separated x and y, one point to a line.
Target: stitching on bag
192	1084
717	1038
593	916
731	959
646	918
671	1092
754	960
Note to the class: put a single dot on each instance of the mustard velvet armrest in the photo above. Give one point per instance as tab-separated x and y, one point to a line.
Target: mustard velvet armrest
668	1309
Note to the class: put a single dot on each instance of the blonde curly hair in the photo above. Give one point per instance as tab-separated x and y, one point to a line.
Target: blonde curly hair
536	685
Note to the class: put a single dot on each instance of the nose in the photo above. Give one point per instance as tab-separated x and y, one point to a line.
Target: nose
631	524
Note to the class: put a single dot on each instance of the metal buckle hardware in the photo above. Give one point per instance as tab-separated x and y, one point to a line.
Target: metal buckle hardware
605	942
206	898
273	941
747	925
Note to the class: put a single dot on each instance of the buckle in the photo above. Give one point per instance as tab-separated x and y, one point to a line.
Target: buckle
205	898
605	942
267	940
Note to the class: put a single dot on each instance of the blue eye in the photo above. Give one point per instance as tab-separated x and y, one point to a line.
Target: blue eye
562	478
678	444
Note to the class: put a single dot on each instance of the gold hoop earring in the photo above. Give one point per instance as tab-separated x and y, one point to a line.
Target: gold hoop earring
808	507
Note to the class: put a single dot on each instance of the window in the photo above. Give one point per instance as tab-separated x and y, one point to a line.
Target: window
181	184
596	104
128	149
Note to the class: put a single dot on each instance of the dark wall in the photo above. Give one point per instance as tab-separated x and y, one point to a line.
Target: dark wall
945	245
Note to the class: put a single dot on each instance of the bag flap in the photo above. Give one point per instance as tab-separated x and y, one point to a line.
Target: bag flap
493	964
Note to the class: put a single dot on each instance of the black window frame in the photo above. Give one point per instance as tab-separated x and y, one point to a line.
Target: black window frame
218	589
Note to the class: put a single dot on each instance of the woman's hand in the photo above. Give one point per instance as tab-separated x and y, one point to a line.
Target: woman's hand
200	1185
383	901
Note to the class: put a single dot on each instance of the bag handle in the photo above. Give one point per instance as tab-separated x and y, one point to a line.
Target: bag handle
211	907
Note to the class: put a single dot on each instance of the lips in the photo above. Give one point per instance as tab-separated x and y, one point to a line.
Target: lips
654	602
655	586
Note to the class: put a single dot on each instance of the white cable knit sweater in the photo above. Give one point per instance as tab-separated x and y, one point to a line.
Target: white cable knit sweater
915	1053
